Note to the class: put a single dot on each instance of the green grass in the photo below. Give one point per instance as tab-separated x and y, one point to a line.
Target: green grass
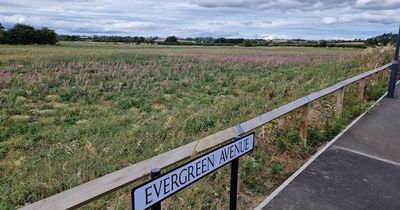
72	113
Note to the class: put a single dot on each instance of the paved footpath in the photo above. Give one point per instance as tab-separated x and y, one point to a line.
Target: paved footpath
361	170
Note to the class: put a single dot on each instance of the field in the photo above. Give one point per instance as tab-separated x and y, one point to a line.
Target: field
74	112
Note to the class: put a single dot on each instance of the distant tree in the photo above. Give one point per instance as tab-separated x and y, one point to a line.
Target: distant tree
247	43
72	38
171	39
381	40
393	39
371	42
151	40
220	40
25	34
21	34
2	34
204	39
46	36
231	41
322	43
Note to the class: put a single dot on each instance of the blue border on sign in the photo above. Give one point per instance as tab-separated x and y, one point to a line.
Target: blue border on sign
170	171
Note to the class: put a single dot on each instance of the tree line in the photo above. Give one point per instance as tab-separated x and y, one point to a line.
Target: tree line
25	34
109	39
382	40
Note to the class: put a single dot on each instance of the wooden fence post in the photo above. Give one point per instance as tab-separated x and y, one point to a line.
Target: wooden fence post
375	77
381	75
361	89
339	101
304	110
386	73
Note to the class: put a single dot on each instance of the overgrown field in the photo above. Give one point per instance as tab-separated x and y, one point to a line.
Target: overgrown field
72	113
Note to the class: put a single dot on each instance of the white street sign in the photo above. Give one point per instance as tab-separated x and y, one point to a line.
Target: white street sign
153	191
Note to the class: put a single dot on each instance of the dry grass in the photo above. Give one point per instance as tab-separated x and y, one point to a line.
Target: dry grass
72	113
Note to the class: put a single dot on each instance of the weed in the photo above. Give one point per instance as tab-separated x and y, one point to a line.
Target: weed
287	140
134	102
277	168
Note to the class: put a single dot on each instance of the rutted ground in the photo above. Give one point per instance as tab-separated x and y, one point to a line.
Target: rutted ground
70	113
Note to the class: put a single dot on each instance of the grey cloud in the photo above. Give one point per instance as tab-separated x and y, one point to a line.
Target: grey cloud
383	17
227	3
11	4
374	19
230	18
216	23
273	4
377	4
247	23
84	25
300	5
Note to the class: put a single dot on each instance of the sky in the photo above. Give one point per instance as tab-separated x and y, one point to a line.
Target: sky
266	19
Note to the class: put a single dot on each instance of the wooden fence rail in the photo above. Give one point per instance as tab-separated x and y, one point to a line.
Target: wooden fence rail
94	189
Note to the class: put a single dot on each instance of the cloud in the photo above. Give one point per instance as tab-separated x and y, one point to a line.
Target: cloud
384	17
273	36
248	4
226	3
89	26
377	4
14	19
370	17
233	18
135	25
307	5
273	4
329	20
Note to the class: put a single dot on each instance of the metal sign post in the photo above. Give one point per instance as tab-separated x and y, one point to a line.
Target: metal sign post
235	176
395	66
154	173
234	184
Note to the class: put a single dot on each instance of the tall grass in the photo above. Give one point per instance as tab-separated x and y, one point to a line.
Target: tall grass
70	114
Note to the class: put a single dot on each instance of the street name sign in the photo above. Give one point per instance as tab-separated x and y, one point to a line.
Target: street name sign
164	186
